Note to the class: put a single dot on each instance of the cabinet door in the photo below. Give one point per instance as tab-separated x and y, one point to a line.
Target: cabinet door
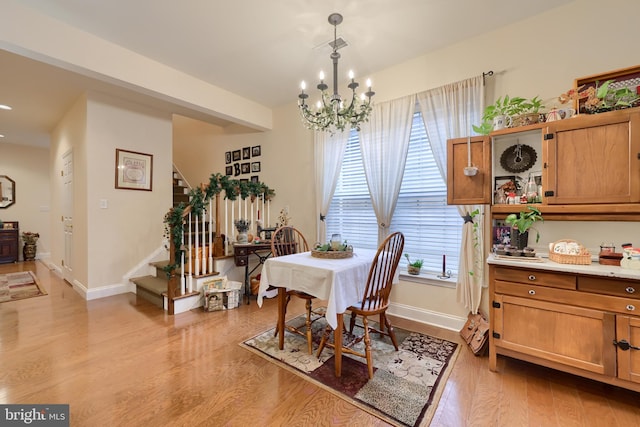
463	189
593	159
573	336
628	329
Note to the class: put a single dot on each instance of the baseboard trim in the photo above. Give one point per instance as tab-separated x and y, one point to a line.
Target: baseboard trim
441	320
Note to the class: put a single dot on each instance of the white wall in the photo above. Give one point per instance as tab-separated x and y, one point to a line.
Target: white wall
109	243
131	227
29	168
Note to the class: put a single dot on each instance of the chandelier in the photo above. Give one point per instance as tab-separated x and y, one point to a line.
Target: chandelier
332	113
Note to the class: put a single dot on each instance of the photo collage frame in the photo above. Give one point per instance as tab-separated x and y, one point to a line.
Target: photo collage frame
242	165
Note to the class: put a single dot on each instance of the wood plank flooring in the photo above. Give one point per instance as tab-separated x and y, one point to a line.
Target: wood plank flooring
120	361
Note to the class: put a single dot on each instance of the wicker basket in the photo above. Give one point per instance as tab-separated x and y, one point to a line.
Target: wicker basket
331	254
583	258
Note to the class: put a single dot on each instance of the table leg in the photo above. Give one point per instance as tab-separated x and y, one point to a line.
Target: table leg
282	299
337	342
247	286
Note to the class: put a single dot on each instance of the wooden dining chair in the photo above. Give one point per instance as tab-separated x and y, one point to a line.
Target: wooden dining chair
375	300
288	240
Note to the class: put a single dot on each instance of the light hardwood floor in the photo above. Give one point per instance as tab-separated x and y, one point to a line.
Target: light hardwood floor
120	361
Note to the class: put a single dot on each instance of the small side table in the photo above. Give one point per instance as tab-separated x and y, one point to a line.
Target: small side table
9	235
242	256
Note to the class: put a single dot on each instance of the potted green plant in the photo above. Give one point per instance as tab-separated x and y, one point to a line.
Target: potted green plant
530	113
522	222
503	107
415	266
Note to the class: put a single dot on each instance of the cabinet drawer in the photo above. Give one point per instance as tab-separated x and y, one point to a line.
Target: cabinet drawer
240	251
594	301
536	277
615	287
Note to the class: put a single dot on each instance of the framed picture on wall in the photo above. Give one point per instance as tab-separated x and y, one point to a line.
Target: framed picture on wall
254	178
255	167
236	155
245	168
246	153
228	170
227	157
134	171
256	151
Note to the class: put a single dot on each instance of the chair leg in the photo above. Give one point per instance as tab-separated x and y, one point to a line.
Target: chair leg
309	336
352	322
390	331
286	303
367	346
323	341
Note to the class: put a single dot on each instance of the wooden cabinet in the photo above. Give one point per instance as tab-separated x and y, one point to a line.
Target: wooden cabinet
465	189
589	166
9	242
593	159
572	322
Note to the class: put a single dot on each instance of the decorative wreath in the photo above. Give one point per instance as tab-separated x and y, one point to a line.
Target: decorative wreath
518	158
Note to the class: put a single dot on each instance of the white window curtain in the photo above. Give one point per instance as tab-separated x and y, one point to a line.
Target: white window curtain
384	142
329	151
448	112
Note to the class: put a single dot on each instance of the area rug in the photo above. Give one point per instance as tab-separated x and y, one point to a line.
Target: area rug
406	386
21	285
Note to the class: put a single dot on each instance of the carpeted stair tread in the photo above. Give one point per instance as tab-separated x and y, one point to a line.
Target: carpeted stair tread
152	284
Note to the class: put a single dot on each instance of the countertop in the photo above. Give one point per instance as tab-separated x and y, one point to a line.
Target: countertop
593	269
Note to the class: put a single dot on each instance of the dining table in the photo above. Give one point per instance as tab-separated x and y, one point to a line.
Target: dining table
341	282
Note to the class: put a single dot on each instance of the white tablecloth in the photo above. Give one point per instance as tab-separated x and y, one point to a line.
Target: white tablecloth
339	281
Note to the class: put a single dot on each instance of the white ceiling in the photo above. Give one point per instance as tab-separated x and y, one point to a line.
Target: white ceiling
258	49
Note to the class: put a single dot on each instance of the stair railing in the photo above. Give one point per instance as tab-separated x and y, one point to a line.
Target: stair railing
199	244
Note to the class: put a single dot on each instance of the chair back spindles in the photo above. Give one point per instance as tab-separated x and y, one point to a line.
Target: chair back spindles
288	240
382	271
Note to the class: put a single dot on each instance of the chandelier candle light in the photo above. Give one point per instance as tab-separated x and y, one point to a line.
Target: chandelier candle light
331	114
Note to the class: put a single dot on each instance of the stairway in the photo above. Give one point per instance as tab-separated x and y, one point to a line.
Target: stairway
153	287
180	190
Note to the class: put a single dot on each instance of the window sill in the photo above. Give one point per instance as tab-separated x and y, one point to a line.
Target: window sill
428	278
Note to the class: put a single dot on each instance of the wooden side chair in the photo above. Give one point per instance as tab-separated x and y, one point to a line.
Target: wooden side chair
375	299
287	241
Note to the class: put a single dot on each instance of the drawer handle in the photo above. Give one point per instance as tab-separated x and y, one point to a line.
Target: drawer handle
532	292
631	307
630	290
532	277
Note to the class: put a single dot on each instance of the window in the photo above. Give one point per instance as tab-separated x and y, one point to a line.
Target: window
430	226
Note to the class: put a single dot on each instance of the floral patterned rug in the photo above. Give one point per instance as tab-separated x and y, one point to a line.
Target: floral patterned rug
21	285
406	386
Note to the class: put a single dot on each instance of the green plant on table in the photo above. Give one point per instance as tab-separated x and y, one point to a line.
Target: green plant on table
524	220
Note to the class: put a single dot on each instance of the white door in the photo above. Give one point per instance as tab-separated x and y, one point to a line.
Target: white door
67	215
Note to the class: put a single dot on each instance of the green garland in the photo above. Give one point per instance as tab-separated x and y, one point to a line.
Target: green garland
173	231
198	198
